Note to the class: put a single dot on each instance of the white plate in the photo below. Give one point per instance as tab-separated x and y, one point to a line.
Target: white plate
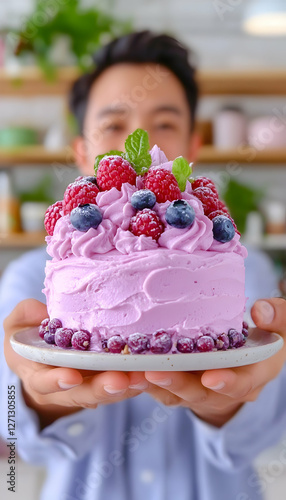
260	345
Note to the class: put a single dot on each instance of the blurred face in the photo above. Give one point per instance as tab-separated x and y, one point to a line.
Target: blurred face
130	96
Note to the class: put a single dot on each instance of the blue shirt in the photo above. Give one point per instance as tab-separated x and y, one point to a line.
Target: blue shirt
137	449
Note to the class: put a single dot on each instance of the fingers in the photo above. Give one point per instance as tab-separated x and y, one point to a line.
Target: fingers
185	386
270	315
46	380
27	313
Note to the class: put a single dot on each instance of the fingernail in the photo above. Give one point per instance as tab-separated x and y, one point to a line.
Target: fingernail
65	386
162	383
111	390
216	387
139	387
265	311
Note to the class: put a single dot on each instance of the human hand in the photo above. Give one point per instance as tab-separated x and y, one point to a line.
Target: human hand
53	391
216	395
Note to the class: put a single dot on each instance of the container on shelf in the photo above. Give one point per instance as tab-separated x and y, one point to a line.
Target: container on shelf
230	127
275	217
9	205
32	216
267	132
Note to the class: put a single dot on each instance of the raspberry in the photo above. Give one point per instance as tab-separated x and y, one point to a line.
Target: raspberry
163	184
113	171
79	193
208	199
52	215
204	182
146	222
225	212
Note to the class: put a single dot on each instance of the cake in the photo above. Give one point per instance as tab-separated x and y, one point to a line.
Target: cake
145	260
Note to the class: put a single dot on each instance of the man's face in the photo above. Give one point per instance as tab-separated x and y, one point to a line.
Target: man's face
130	96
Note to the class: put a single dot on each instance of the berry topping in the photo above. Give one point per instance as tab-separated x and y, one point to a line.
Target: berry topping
80	340
180	214
225	212
222	342
204	182
223	229
115	344
245	329
236	339
86	216
208	199
144	198
49	338
163	183
138	343
52	215
44	327
63	337
113	171
185	345
205	343
161	342
79	193
54	324
146	222
85	180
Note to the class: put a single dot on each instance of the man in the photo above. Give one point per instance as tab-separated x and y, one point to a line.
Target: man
136	448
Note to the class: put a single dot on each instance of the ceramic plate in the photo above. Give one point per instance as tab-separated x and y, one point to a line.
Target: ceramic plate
260	345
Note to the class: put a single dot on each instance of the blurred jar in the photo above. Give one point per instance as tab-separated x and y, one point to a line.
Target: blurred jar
254	228
267	132
275	217
9	205
230	127
32	215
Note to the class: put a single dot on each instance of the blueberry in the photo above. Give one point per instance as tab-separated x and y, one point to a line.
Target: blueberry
54	324
44	327
180	214
80	340
85	216
49	338
223	229
144	198
63	337
115	344
138	343
161	342
222	342
205	343
236	338
185	345
89	178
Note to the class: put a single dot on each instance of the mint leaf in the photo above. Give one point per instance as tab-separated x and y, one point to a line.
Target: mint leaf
113	152
182	171
137	151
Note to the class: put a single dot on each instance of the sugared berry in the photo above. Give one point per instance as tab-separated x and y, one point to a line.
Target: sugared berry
84	180
44	327
204	182
113	171
244	325
163	184
223	229
180	214
185	345
146	222
79	193
54	324
208	199
115	344
144	198
85	216
161	342
205	344
63	337
80	340
225	212
138	343
222	342
52	215
49	338
236	338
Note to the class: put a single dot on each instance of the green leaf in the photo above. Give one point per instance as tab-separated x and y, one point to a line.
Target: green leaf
112	152
182	171
137	151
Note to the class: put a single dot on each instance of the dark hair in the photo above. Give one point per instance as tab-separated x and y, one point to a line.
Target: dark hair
138	47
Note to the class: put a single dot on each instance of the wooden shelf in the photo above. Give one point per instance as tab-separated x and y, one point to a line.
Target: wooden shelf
31	82
22	240
37	155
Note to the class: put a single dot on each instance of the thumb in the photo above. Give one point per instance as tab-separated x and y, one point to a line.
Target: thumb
27	313
270	315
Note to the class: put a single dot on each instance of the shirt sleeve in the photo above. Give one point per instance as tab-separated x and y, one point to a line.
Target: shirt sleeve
255	427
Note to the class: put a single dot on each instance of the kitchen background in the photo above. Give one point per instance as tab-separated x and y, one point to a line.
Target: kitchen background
242	120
